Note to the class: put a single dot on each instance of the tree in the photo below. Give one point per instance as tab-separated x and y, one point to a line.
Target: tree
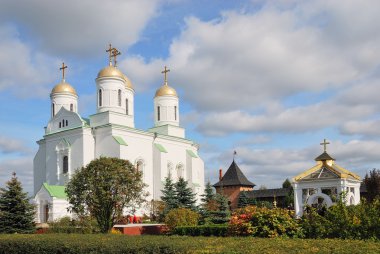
169	196
372	183
289	198
184	194
208	194
104	188
222	215
16	212
208	203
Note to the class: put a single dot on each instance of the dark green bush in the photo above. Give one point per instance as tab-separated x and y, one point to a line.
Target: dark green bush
204	230
85	225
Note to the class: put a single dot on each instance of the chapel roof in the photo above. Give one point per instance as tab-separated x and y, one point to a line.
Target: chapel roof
57	191
234	177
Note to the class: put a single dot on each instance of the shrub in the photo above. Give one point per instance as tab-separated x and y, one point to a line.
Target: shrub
181	217
85	225
204	230
264	222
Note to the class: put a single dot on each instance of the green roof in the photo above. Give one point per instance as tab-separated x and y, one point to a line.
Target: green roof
57	191
160	148
120	140
192	154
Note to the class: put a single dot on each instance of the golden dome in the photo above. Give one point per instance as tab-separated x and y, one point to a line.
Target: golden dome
166	90
128	83
64	87
110	71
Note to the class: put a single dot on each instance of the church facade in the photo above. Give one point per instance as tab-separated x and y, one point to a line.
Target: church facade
72	141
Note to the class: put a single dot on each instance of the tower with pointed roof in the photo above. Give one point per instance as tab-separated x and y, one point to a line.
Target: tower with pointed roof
232	183
323	184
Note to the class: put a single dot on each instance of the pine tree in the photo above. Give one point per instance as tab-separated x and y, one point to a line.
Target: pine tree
185	195
16	213
222	215
208	203
244	200
169	196
208	195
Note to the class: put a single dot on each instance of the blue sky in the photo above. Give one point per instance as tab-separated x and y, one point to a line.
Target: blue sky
269	79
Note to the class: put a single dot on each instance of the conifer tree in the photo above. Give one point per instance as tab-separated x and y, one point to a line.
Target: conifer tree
208	194
184	194
16	213
244	200
222	215
169	196
208	203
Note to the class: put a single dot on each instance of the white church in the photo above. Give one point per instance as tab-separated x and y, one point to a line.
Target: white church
72	141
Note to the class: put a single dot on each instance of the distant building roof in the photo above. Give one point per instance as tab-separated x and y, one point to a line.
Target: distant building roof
234	177
279	192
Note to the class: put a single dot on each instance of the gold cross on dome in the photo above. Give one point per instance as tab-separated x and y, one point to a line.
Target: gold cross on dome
165	71
63	70
109	51
115	53
324	143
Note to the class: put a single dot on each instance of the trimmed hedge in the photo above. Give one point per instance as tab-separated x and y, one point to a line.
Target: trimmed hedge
204	230
72	243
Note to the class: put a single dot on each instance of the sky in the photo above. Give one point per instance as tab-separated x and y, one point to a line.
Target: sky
267	79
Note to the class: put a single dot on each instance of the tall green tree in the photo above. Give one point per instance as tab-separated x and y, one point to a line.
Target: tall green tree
16	212
289	198
208	195
222	214
184	194
372	184
104	188
169	195
243	200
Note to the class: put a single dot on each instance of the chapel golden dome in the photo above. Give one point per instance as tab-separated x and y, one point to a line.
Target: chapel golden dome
166	90
63	87
128	83
110	71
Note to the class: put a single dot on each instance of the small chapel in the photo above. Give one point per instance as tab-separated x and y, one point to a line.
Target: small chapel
72	141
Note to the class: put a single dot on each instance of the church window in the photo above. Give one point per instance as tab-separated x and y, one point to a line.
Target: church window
65	164
119	97
63	123
67	122
126	107
175	112
71	107
53	109
180	172
60	125
100	97
158	113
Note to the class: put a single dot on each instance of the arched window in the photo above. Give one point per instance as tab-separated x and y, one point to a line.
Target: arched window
175	112
170	170
53	109
60	125
67	122
158	113
126	107
63	123
100	97
119	97
71	107
180	171
65	164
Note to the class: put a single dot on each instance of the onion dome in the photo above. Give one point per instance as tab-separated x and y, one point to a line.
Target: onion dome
63	87
128	83
166	90
110	72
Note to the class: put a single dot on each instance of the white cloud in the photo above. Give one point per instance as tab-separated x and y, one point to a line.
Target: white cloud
10	145
23	167
369	128
245	59
26	73
80	27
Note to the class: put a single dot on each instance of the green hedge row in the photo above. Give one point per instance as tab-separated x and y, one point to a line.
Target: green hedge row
97	243
204	230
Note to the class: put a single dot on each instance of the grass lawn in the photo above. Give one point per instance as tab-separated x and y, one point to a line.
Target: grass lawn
74	243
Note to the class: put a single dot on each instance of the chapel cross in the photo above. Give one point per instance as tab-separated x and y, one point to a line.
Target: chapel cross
165	71
115	53
109	51
63	70
324	143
